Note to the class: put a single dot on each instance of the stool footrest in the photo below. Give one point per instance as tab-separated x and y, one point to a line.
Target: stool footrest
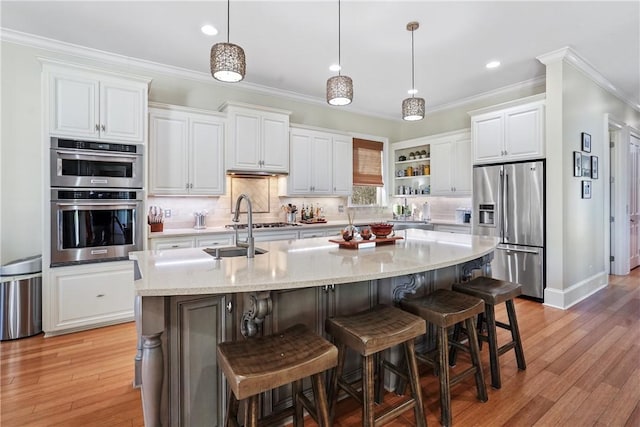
276	418
508	346
503	325
392	413
455	379
350	389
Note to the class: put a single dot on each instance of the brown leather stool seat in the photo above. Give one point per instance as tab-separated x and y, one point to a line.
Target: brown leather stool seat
370	332
494	292
260	364
443	309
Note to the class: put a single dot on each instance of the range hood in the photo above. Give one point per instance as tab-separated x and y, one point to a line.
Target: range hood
253	173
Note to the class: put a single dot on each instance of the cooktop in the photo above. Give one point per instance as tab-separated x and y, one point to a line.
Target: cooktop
242	226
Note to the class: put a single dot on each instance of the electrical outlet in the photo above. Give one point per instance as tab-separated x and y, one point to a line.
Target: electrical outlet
167	213
340	208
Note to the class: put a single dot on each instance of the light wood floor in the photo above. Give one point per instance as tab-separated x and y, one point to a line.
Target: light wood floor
583	369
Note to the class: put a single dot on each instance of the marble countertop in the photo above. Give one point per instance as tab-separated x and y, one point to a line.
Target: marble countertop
302	263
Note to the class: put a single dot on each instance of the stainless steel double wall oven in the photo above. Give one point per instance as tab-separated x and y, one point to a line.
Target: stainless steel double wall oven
96	201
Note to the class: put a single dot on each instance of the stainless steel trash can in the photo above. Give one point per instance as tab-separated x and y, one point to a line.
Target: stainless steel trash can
21	298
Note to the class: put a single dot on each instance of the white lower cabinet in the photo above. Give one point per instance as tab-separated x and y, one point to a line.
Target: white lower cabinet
320	232
202	241
90	295
453	228
164	243
208	241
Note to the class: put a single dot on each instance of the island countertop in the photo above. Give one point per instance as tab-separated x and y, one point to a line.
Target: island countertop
302	263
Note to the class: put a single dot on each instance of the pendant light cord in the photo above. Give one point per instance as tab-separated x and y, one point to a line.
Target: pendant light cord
339	61
228	12
413	84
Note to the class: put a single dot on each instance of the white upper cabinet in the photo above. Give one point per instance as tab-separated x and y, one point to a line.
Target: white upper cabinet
102	107
257	139
342	165
510	132
321	163
451	166
186	152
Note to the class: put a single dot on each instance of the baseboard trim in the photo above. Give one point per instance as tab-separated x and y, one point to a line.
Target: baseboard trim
572	295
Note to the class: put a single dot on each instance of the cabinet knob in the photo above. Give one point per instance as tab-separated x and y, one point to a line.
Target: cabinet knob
229	306
103	128
191	185
99	295
97	127
186	186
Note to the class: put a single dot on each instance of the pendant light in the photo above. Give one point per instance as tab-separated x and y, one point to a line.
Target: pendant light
413	108
339	88
227	59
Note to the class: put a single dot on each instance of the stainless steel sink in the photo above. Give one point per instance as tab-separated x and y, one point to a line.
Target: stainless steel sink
232	251
403	225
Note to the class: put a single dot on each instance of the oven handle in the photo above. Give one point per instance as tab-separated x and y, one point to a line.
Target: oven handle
118	205
95	156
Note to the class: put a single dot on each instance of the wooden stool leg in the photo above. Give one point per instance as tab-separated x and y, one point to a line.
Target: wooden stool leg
368	416
453	353
515	335
475	358
379	378
493	346
332	396
232	410
443	374
252	412
298	412
320	396
414	380
480	325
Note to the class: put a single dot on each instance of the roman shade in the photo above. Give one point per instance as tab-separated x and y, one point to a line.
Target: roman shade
367	163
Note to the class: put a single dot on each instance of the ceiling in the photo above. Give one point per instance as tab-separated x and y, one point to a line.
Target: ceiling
290	44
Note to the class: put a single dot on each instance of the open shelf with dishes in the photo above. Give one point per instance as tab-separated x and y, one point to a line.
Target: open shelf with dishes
412	170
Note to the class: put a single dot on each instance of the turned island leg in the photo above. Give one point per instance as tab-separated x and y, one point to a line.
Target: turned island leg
152	373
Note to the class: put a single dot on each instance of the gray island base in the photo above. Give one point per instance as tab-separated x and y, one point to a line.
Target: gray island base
188	302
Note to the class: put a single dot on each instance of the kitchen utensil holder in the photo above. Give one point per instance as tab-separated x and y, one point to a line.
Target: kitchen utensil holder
156	227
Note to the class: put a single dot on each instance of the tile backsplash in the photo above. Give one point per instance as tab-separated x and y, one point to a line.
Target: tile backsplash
219	209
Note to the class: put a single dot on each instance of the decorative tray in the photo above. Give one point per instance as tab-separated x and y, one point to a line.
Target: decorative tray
313	221
356	244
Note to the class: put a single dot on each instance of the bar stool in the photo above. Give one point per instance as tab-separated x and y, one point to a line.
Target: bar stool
369	333
261	364
444	308
493	292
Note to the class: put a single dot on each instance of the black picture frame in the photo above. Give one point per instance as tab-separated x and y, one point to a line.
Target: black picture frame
577	163
586	142
586	165
594	167
586	189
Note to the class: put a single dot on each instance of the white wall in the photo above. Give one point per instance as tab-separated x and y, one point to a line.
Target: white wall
575	226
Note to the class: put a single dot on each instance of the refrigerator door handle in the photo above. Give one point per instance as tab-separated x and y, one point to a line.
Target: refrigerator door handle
505	201
501	198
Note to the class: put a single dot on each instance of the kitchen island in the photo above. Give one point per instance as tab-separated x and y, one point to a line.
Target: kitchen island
188	301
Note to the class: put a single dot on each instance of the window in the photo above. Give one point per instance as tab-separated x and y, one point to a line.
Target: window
367	172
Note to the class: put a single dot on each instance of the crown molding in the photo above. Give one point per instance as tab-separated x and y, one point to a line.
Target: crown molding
571	56
536	81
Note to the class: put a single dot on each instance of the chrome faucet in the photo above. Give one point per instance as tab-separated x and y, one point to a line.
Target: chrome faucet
249	243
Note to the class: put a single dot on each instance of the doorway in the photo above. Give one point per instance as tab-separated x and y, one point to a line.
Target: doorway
634	201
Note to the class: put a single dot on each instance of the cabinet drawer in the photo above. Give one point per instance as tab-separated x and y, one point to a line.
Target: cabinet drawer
461	229
309	234
208	241
94	297
175	243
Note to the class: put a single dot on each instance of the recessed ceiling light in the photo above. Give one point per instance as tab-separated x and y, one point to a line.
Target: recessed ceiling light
493	64
209	30
412	91
335	67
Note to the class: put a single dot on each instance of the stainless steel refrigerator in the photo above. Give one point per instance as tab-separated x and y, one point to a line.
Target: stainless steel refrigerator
509	203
